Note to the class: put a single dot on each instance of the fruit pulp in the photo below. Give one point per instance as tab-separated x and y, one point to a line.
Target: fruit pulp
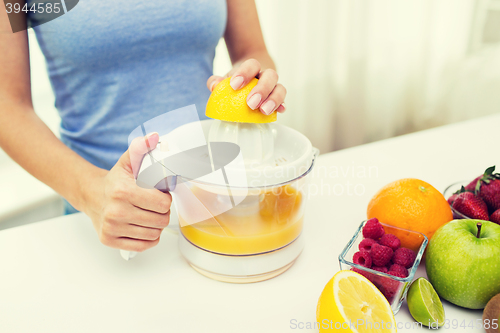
261	223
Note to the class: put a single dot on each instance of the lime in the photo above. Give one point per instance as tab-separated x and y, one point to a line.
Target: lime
424	304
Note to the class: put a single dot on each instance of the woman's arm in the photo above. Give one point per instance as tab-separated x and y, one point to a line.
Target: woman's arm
124	215
23	135
250	58
243	35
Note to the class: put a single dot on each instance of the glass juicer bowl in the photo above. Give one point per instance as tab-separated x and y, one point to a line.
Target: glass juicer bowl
260	237
239	191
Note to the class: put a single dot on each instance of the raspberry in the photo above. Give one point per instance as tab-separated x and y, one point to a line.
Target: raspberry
370	276
366	244
381	255
362	258
398	270
391	241
404	257
362	272
373	229
398	274
389	288
380	269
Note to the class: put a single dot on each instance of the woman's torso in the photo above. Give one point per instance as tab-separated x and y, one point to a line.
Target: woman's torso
115	64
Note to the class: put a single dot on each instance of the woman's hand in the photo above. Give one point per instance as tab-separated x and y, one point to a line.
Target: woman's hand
125	215
268	95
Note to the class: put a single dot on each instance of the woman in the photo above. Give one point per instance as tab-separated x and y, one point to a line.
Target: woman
114	65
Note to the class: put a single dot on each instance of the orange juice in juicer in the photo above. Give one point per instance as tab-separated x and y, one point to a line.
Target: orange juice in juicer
241	217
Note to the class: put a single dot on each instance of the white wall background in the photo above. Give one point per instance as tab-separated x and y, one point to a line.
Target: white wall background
358	71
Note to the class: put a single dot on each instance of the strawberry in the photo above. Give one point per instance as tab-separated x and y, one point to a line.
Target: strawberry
495	217
472	185
471	206
452	198
488	189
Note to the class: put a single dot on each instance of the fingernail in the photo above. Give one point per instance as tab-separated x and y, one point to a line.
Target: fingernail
254	101
284	106
236	82
268	107
212	86
151	135
149	139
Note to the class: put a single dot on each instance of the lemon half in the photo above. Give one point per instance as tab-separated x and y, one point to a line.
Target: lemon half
231	105
351	303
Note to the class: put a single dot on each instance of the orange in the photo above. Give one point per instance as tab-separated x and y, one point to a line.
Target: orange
228	104
410	204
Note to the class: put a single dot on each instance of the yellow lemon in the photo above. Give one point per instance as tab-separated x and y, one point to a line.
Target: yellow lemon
231	105
351	303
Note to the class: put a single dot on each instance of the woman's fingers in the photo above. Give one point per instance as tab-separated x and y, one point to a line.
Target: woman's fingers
130	244
213	81
134	231
281	108
244	74
126	214
274	100
147	199
132	223
150	199
267	95
132	159
149	219
260	93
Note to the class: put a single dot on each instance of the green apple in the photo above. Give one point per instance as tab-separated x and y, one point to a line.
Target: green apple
463	262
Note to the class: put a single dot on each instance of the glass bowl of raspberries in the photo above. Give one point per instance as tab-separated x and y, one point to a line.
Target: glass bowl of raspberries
386	255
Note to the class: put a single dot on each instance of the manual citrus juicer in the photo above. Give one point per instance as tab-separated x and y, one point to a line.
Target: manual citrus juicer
239	189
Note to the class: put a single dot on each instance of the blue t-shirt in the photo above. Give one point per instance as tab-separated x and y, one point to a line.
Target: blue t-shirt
114	65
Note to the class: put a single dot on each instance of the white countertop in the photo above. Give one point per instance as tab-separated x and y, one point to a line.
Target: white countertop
56	276
20	191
